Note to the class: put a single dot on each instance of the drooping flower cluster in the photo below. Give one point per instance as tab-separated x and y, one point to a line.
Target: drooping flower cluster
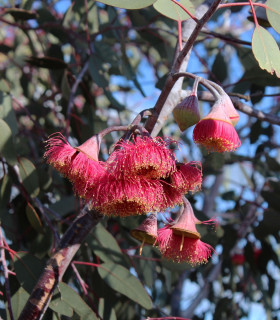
140	176
179	240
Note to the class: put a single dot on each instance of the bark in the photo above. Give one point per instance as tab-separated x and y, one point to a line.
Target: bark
58	263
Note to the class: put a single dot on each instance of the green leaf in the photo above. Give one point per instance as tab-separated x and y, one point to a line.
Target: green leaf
121	280
273	14
105	246
70	297
21	14
4	86
33	218
28	270
105	310
64	206
5	190
219	68
18	300
173	11
29	177
129	4
256	131
266	51
60	306
272	199
98	75
269	225
7	149
7	112
272	163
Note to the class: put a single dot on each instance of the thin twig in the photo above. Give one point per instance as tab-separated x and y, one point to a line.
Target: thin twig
81	281
72	94
271	118
6	276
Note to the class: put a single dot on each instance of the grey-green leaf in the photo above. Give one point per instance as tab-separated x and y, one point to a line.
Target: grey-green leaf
266	51
173	11
71	297
28	270
28	174
18	302
7	149
7	112
273	14
120	279
129	4
105	246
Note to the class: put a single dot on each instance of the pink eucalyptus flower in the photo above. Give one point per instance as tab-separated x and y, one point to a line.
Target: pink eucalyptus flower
145	156
188	177
180	240
183	249
172	197
80	165
126	196
147	231
216	131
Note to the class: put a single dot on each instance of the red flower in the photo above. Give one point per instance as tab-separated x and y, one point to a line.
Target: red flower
80	165
59	153
145	156
180	241
126	196
183	249
187	177
147	231
216	132
172	197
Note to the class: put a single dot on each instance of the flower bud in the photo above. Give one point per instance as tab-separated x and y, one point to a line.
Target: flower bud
186	113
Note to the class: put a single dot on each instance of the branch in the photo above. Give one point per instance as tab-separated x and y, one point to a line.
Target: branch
169	95
58	263
271	118
213	275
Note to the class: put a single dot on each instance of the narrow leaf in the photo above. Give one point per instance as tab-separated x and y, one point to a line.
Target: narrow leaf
121	280
70	297
33	218
266	51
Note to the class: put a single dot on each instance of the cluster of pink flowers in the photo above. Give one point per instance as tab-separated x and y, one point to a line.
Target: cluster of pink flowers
139	177
142	176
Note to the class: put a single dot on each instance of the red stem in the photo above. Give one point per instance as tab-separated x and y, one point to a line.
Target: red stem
180	35
6	277
185	9
228	5
254	14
